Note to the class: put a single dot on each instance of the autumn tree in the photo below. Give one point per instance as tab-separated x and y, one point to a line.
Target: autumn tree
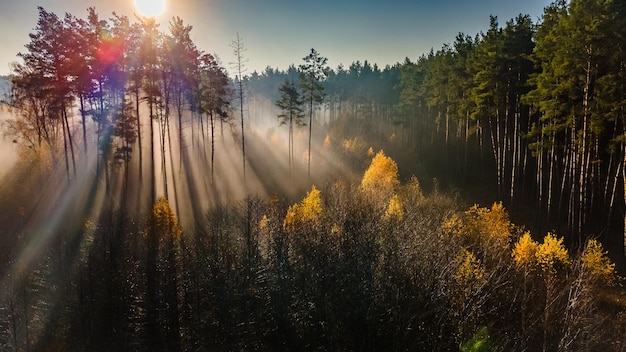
380	180
481	236
553	259
524	257
592	274
307	211
487	231
163	305
394	209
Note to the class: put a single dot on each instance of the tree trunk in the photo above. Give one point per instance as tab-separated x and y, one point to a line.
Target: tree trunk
140	150
212	146
65	149
624	179
83	116
71	142
243	138
310	134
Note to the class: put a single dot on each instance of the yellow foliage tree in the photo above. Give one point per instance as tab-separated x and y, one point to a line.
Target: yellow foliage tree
394	209
470	269
308	210
488	228
552	253
354	146
594	260
163	221
524	252
470	277
381	177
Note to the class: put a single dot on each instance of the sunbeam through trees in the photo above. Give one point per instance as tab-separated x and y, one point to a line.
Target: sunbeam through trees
153	200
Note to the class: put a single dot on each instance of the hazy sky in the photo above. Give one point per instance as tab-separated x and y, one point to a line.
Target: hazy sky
280	32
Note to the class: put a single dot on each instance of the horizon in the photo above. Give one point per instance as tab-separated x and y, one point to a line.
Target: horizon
279	33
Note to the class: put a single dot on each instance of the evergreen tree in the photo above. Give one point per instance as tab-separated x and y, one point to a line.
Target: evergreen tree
312	73
290	104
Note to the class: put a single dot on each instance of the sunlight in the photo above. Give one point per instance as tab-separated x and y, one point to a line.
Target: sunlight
150	8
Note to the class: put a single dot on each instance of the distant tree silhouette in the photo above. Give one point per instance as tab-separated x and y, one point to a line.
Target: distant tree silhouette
290	104
312	72
240	68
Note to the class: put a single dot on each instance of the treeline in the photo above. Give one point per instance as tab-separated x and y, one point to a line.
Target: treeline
137	92
372	265
534	109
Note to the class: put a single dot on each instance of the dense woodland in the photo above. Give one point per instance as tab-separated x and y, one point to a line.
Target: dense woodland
162	202
535	111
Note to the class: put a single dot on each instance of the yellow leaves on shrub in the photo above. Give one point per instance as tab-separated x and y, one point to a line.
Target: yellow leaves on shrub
487	227
470	269
163	221
525	250
413	189
552	253
292	218
381	177
370	152
394	209
312	205
308	210
594	260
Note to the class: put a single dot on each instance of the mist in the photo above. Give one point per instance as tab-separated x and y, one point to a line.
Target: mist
194	183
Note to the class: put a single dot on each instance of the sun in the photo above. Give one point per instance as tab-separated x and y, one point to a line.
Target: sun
150	8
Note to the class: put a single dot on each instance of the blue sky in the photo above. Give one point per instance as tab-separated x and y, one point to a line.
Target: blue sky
280	32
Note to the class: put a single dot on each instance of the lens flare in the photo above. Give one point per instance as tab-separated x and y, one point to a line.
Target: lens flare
150	8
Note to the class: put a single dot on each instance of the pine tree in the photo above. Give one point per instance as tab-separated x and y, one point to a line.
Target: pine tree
312	73
290	104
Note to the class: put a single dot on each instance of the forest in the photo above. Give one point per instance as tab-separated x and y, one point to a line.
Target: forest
472	199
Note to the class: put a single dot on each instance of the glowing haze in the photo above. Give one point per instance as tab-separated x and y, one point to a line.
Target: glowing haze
150	8
280	32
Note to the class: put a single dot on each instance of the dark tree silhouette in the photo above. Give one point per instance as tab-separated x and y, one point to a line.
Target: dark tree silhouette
290	104
312	73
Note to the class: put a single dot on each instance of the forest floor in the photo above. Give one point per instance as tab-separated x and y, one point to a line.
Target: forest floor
614	301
